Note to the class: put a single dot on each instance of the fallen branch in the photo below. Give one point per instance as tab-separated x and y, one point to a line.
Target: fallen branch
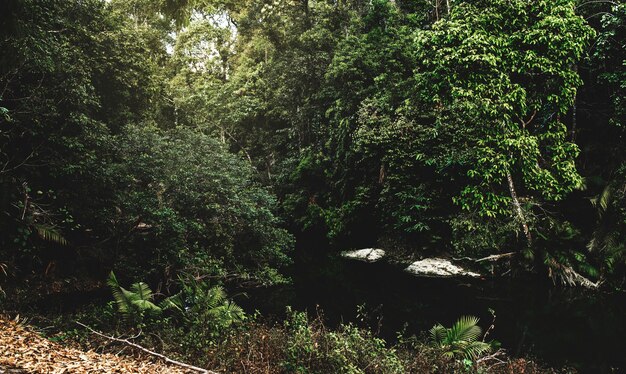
570	277
498	356
163	357
496	257
488	258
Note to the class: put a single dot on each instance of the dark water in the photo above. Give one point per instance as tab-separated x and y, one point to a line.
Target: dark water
557	326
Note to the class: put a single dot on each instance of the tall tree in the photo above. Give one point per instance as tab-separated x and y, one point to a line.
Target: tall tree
501	73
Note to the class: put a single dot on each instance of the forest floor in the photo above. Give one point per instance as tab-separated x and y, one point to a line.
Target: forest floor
25	351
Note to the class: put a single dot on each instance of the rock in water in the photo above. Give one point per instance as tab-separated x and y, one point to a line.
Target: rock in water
367	254
438	267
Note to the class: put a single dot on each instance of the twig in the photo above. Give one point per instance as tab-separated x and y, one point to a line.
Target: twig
163	357
493	324
494	356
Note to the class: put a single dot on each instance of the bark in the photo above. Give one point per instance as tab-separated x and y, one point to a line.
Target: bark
518	210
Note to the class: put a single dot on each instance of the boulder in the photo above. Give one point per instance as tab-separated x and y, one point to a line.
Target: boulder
367	254
438	267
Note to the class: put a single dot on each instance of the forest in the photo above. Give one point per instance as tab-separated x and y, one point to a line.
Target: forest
171	169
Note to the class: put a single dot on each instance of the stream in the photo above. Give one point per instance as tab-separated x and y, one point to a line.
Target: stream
557	326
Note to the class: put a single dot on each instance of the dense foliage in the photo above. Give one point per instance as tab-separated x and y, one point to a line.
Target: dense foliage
153	137
94	166
180	141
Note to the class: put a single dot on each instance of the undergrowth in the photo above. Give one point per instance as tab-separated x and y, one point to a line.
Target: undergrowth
301	343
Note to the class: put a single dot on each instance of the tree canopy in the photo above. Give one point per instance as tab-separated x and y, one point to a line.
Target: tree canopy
210	136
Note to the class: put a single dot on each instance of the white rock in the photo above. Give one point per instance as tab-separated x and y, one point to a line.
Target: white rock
438	267
367	254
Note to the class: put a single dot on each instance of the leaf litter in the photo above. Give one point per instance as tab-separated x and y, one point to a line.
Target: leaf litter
25	351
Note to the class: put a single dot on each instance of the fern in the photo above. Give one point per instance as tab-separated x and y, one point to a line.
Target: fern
175	302
134	303
209	306
197	303
216	296
121	296
141	296
227	314
50	234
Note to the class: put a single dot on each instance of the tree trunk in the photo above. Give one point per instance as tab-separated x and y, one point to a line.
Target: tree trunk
518	209
574	111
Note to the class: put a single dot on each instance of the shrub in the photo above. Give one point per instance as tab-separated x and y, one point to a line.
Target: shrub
188	203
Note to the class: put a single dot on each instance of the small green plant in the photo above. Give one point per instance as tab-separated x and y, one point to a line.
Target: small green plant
207	305
460	340
136	303
313	348
198	304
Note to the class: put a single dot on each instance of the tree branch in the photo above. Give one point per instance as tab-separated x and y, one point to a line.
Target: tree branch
163	357
488	258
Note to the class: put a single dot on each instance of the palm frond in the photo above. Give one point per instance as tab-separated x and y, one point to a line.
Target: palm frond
438	334
473	350
460	340
466	328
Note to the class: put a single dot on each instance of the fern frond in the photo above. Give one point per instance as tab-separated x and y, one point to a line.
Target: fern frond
216	296
174	302
123	297
112	280
141	296
234	311
605	199
142	291
50	234
148	306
